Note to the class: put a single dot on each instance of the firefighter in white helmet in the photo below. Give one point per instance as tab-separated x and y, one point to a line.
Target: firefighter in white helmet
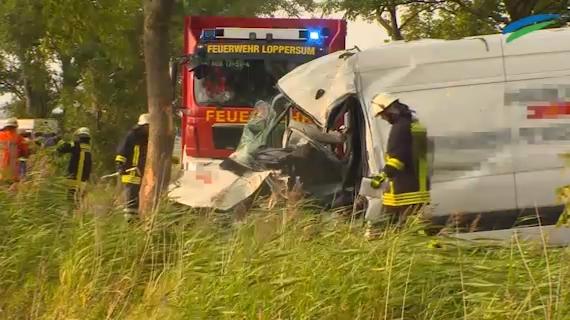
130	163
12	147
80	162
405	173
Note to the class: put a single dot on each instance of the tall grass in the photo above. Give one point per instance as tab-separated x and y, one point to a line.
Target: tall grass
59	264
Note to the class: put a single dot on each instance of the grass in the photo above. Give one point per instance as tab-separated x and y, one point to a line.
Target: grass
58	265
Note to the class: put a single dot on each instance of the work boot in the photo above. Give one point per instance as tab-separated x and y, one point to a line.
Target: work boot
130	215
372	231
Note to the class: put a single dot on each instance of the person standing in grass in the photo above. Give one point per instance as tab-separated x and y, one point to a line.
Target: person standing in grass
80	163
405	174
12	148
130	163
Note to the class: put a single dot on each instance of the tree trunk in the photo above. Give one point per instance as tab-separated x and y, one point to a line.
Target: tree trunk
28	93
396	31
36	94
70	73
159	92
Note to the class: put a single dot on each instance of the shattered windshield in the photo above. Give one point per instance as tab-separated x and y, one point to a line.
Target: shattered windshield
238	82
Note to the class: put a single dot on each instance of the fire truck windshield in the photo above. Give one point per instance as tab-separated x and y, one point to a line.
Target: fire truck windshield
238	82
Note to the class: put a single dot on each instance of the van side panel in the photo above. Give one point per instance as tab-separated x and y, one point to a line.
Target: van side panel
457	91
537	97
472	161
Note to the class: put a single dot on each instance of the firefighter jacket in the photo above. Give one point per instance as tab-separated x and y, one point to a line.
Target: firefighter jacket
406	164
12	147
132	154
79	168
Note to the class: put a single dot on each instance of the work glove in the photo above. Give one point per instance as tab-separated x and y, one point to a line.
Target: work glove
378	180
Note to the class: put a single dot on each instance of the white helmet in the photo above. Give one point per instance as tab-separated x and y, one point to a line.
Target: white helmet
10	122
82	132
381	102
144	119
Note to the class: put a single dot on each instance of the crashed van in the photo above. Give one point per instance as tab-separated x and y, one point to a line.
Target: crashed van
496	115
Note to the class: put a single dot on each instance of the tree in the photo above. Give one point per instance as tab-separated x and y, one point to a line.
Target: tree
159	92
454	21
518	9
460	18
22	29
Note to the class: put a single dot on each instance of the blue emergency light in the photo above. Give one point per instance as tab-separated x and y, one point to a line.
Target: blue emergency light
314	35
212	34
209	34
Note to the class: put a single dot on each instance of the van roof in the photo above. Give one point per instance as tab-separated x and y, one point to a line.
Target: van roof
481	59
423	64
41	125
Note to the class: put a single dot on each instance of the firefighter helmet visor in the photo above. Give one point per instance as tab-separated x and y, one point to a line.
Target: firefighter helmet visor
10	122
381	102
82	132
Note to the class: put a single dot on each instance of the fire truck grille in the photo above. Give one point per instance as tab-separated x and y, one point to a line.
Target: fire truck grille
227	137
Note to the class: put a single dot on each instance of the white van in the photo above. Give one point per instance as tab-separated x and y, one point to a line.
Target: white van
496	115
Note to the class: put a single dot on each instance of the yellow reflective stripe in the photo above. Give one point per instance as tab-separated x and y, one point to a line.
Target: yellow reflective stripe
136	155
394	203
393	162
406	198
120	158
130	179
80	165
408	195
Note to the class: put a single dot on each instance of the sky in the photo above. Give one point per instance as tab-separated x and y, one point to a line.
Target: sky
359	32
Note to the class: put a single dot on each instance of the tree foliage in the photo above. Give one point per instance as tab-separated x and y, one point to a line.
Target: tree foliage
24	58
448	19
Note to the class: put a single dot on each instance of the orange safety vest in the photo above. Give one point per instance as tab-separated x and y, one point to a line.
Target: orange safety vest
12	147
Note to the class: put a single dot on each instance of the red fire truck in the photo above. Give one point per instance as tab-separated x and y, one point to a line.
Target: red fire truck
242	59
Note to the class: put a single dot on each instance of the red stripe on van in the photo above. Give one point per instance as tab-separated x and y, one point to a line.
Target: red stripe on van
553	111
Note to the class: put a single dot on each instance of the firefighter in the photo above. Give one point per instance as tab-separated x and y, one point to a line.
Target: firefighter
12	148
130	162
80	163
405	174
